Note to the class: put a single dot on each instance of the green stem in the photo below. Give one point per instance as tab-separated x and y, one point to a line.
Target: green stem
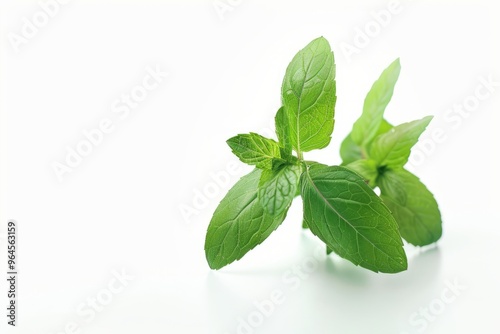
300	156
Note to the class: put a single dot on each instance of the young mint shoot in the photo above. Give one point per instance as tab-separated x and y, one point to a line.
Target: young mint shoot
339	204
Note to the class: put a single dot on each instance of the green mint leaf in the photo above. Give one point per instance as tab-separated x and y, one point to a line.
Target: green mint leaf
283	132
255	149
277	188
277	163
239	223
340	206
350	151
377	99
328	250
308	96
413	206
367	169
345	213
392	149
383	128
304	225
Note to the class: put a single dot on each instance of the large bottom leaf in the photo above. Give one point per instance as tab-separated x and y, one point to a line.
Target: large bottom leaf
239	223
345	213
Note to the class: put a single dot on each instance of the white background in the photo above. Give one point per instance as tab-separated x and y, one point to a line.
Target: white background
120	208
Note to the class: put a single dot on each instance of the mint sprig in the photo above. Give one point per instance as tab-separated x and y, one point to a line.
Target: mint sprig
340	205
380	158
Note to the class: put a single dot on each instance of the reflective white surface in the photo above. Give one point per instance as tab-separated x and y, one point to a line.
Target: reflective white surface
118	213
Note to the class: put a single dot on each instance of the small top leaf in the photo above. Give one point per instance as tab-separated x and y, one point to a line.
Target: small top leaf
308	96
392	149
345	213
350	151
383	128
277	188
255	149
377	99
283	132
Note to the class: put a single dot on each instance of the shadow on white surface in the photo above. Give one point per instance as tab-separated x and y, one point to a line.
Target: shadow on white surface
322	295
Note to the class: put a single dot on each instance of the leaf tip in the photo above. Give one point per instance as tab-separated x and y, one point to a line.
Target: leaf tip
428	119
397	63
212	261
231	141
